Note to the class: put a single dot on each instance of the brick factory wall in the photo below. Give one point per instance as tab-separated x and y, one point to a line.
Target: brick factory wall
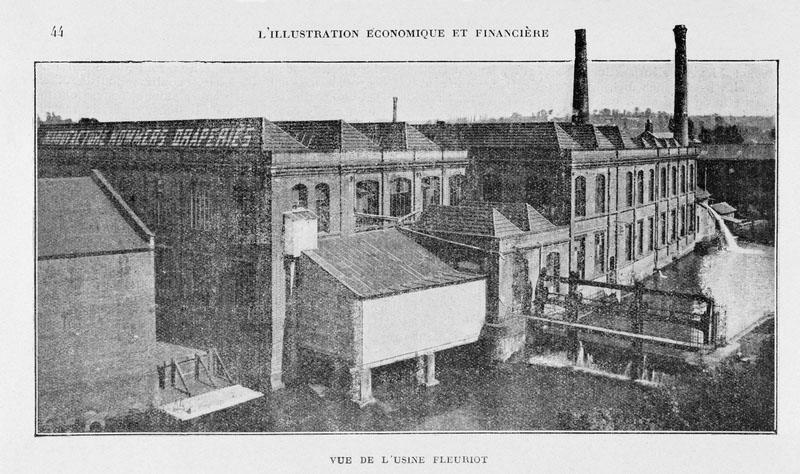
203	264
95	327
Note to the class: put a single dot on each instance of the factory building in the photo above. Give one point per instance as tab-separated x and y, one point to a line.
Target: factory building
254	218
628	206
215	191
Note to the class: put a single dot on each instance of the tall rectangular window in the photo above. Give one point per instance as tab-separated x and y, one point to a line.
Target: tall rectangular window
580	247
599	253
629	189
683	221
651	233
600	194
663	225
673	221
628	242
640	237
580	196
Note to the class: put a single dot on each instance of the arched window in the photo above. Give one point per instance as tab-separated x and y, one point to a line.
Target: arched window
367	202
663	182
456	189
651	186
640	187
691	178
299	196
600	194
322	198
674	180
491	188
683	179
400	197
629	188
431	191
580	196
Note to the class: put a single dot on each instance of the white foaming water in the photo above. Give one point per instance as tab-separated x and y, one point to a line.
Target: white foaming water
730	239
584	362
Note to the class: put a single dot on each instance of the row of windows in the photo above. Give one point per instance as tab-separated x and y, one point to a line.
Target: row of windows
632	190
368	197
682	220
322	203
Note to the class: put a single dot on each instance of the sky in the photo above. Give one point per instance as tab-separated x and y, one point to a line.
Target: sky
364	91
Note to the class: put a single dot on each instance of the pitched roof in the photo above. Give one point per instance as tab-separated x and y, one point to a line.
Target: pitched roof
618	137
723	208
485	221
587	135
461	136
657	140
396	136
521	214
276	139
549	135
328	135
383	262
78	216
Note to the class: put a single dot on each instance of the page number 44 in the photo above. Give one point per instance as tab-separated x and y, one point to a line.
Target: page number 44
57	31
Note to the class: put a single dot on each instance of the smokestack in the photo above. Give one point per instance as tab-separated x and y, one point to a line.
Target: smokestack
394	109
680	118
580	84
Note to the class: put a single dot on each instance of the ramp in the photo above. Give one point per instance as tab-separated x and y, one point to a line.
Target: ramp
209	402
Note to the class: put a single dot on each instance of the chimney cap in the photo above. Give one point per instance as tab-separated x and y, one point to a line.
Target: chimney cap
680	28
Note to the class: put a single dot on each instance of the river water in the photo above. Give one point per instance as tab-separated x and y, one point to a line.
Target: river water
742	282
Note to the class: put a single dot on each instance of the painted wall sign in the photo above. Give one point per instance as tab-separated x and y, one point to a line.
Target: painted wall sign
227	136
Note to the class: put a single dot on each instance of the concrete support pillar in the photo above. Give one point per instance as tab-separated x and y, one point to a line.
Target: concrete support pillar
426	370
361	386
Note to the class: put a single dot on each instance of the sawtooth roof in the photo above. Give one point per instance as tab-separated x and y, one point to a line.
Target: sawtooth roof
657	140
383	262
521	214
396	136
618	137
79	216
328	135
546	135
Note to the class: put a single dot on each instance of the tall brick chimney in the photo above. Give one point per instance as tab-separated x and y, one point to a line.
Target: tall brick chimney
394	109
680	118
580	84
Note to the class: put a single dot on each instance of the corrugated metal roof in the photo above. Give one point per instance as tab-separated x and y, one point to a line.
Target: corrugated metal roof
328	135
383	262
396	136
75	216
